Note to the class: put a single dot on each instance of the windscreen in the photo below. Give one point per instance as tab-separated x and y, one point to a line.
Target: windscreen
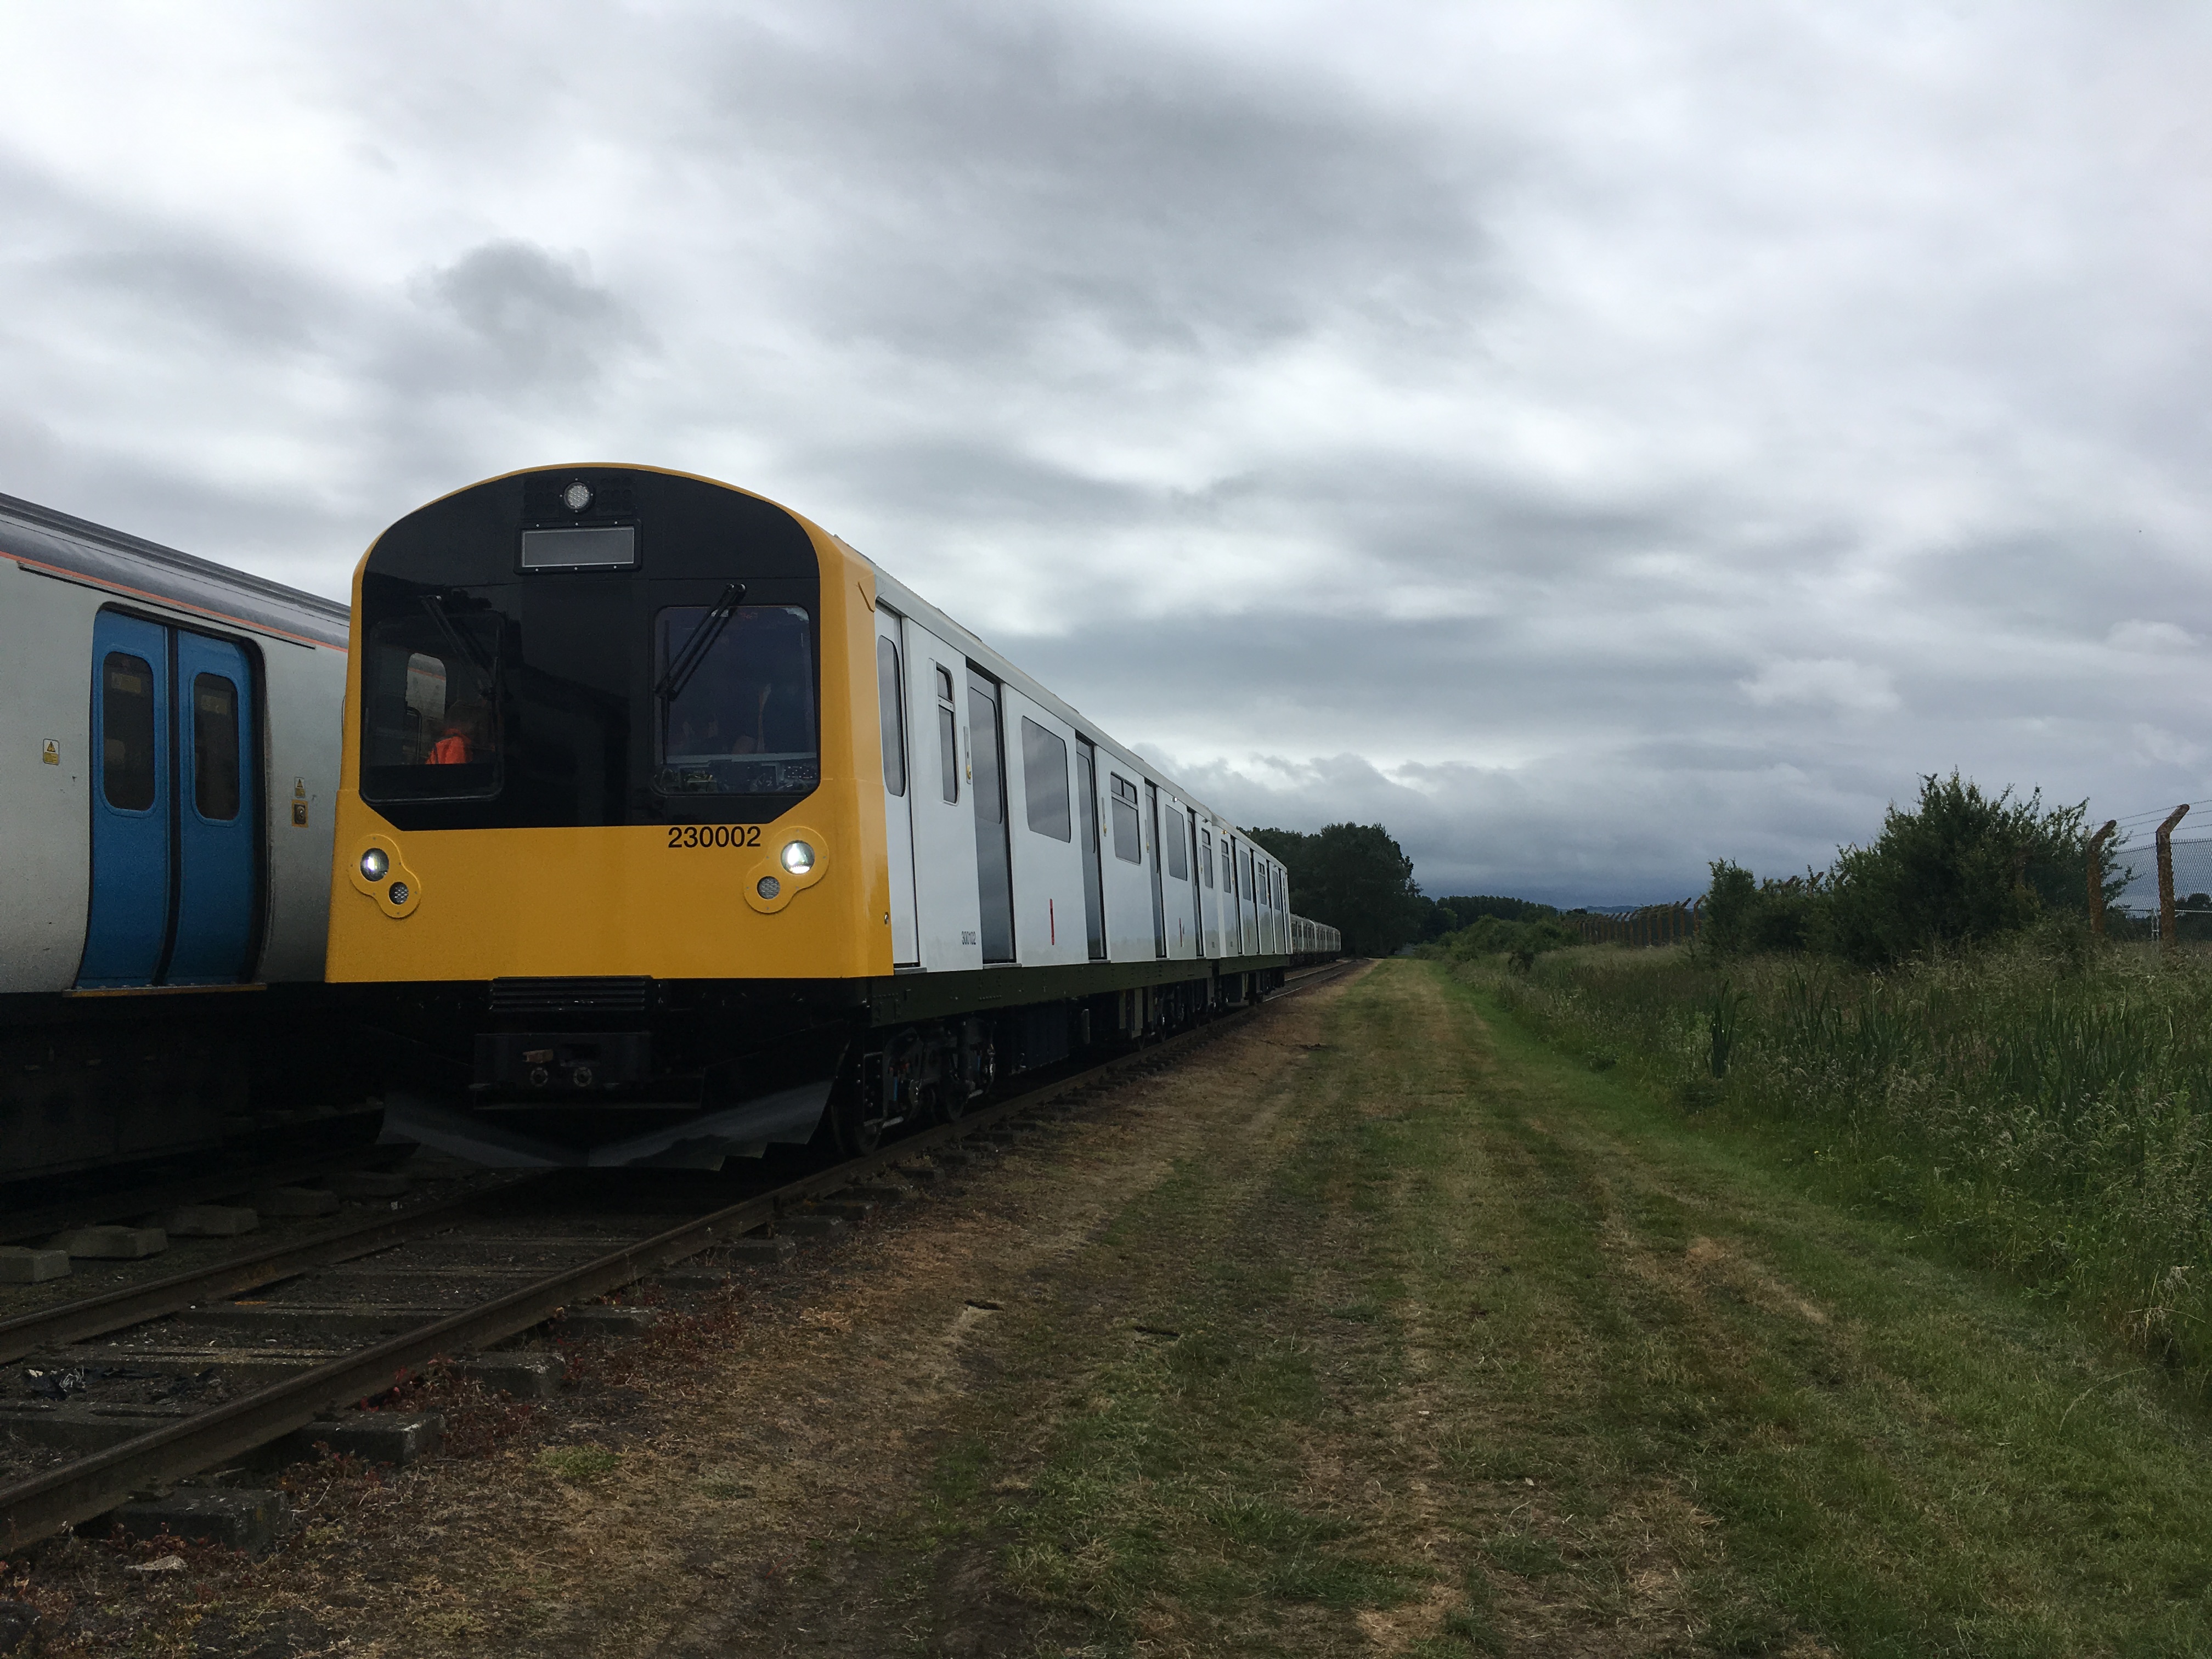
429	688
736	694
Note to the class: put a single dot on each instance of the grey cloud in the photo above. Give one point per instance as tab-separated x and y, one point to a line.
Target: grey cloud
538	317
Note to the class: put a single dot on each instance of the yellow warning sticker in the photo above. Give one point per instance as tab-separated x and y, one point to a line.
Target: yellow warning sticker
51	752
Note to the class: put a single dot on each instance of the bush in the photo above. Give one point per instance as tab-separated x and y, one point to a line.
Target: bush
1741	914
1521	942
1959	868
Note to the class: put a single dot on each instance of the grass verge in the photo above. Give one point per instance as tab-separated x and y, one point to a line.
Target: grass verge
1457	1347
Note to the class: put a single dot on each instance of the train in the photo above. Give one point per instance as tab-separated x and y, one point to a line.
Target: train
670	829
171	735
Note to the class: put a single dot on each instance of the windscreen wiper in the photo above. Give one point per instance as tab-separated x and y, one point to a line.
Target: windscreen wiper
468	647
704	633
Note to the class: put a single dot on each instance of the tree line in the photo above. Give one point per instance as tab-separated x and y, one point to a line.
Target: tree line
1356	879
1957	867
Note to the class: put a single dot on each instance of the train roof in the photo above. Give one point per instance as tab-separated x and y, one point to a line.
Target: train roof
75	549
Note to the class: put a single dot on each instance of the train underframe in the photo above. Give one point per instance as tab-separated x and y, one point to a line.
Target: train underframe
113	1079
635	1073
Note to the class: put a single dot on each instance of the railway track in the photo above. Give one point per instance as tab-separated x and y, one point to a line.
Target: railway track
351	1310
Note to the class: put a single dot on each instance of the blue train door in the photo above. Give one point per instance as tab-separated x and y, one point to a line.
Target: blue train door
216	822
174	789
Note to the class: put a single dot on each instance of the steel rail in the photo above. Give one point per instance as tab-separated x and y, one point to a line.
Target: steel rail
133	1304
91	1485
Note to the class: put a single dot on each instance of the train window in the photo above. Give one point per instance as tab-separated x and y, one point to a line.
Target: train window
1044	781
1205	856
1178	856
1248	890
215	748
948	736
890	711
126	728
430	699
1128	829
735	684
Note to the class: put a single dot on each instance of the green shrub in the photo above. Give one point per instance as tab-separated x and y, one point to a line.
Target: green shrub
1520	942
1958	868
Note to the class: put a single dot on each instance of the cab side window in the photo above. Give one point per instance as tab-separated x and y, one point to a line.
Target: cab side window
948	734
891	712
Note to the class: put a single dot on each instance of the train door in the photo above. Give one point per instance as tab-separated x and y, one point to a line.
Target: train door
1197	893
1209	897
1159	898
1233	902
994	869
898	801
175	783
1094	872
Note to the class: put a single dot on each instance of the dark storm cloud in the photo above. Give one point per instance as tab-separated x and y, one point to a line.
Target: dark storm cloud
1590	438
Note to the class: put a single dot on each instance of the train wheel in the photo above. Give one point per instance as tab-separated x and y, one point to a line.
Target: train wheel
858	1134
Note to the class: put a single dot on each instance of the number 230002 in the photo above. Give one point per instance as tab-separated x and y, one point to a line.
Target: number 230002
714	835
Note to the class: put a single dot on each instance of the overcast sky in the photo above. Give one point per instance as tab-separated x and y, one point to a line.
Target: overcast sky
1590	438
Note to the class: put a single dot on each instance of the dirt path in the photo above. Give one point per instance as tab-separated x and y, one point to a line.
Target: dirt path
1368	1328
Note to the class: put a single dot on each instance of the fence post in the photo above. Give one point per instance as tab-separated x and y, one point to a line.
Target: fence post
2166	934
2096	876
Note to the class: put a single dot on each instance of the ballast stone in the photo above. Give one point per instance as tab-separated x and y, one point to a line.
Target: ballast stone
248	1521
210	1221
22	1264
110	1244
295	1201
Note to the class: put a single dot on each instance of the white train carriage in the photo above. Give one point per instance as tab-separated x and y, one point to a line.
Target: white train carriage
171	731
1021	835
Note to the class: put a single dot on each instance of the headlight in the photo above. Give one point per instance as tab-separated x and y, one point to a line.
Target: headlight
767	887
797	857
373	864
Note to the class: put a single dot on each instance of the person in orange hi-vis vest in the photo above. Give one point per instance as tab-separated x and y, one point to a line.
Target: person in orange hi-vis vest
463	739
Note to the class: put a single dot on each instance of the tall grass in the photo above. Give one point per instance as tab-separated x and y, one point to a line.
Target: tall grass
2044	1106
